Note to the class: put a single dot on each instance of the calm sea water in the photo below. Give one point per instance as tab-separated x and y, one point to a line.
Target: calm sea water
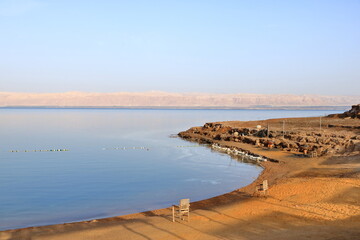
119	161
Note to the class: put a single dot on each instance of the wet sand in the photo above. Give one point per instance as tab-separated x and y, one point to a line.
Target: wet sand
308	198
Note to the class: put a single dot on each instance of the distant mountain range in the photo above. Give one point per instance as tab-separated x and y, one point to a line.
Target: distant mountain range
174	100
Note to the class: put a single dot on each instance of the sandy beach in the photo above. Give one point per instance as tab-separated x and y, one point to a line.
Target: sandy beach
113	111
308	197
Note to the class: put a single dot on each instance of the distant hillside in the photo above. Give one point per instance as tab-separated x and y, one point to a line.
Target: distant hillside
164	99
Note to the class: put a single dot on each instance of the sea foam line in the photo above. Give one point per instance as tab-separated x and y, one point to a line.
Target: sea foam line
46	150
237	152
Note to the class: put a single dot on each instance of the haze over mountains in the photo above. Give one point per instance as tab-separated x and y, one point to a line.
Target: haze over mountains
165	99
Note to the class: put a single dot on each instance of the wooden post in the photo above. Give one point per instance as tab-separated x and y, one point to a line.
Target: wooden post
283	129
320	123
173	213
268	130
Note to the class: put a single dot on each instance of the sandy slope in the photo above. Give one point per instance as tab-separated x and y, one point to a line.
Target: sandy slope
309	198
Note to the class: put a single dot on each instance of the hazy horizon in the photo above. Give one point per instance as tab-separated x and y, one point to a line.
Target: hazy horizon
174	92
168	99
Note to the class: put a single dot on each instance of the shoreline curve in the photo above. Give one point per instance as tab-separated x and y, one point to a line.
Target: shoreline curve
308	197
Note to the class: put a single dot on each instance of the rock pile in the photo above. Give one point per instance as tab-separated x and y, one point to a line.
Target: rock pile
308	143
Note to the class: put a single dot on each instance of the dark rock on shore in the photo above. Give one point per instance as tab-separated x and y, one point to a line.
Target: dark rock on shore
305	142
354	112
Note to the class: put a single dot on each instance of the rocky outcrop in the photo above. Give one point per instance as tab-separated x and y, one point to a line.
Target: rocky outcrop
307	143
354	112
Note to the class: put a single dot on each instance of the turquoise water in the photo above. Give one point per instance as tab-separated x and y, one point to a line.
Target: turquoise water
119	161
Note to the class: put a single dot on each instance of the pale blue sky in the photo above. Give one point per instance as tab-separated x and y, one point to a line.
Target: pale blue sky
296	47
